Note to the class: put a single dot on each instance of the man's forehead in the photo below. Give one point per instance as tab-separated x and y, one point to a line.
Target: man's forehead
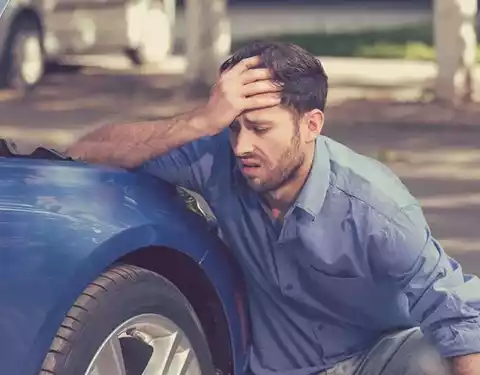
263	115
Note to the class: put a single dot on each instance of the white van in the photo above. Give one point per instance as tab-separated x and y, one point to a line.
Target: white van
34	32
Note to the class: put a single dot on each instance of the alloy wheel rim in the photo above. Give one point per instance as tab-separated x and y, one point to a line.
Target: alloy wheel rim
171	351
29	56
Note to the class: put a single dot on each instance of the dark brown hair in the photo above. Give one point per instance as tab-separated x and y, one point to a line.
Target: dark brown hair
305	83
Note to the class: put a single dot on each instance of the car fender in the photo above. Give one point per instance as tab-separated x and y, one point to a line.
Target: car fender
14	9
44	315
56	237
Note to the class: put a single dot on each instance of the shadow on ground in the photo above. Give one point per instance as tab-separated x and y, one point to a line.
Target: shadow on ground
71	97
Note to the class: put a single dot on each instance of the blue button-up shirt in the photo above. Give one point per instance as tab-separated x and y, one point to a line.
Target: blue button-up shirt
354	259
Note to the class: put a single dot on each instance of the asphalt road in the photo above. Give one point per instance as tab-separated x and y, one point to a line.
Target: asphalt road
441	166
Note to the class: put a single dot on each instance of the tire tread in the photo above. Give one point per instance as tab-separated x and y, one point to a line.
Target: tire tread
80	310
86	304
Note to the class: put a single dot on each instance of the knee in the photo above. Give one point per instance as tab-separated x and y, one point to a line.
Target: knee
420	357
428	361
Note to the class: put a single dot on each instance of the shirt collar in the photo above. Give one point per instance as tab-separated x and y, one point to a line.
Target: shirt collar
314	191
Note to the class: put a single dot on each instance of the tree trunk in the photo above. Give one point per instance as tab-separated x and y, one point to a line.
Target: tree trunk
208	40
456	45
171	11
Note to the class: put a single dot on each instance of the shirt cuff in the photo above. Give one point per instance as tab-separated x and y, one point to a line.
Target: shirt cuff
457	339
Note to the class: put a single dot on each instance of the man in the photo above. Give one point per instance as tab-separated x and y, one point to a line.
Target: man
342	273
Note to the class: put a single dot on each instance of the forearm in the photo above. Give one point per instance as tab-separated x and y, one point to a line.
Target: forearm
244	87
466	365
129	145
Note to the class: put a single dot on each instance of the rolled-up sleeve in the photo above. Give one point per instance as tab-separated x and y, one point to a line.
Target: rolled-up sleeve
191	165
439	297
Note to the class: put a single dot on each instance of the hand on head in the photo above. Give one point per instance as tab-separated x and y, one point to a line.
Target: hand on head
243	87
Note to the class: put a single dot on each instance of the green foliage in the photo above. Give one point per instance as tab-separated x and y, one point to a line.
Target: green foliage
412	42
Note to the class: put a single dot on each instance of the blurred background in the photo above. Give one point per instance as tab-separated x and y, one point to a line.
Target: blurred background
403	79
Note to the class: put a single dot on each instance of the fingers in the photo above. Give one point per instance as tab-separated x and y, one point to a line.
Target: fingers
260	87
246	64
257	74
247	71
246	86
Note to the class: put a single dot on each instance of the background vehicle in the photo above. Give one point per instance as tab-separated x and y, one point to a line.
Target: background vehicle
34	32
105	271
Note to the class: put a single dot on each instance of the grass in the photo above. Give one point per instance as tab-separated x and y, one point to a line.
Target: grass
413	42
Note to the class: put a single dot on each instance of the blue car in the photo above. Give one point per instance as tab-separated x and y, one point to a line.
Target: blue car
106	271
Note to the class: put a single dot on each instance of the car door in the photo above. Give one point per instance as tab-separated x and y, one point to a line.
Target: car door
86	26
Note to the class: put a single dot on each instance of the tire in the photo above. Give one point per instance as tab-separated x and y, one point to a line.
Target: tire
16	72
119	296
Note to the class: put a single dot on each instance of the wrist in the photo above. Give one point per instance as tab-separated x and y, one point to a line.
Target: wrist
466	365
202	123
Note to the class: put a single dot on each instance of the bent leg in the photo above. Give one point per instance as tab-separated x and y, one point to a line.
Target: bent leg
404	353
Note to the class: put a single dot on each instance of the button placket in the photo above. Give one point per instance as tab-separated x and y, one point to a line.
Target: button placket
287	271
286	268
289	230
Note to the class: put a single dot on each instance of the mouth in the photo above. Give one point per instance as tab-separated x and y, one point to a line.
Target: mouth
249	167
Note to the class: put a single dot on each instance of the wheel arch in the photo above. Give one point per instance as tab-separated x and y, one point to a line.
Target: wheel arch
174	265
30	13
164	250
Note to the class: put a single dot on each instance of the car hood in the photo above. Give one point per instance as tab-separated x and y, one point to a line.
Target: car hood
47	181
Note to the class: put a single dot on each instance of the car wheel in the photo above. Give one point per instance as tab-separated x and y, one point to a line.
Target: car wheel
155	37
129	321
22	65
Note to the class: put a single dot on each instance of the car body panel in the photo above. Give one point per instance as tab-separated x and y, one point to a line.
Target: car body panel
62	223
79	26
238	320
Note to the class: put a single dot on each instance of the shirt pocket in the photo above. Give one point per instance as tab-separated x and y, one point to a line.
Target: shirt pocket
337	273
331	266
336	283
329	257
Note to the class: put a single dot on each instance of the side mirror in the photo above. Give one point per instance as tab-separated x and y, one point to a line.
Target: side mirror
197	204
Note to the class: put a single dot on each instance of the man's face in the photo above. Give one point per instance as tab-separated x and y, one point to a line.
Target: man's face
269	147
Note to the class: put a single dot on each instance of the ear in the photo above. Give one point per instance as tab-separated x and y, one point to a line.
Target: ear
314	120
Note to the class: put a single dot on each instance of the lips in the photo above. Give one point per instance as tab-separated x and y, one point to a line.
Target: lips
249	167
248	162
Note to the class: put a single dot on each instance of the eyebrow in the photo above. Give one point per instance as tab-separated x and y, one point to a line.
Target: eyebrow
258	122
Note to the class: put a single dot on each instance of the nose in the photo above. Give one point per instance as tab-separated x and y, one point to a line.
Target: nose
242	142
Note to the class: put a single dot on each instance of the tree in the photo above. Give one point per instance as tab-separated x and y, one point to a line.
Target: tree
455	44
208	40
